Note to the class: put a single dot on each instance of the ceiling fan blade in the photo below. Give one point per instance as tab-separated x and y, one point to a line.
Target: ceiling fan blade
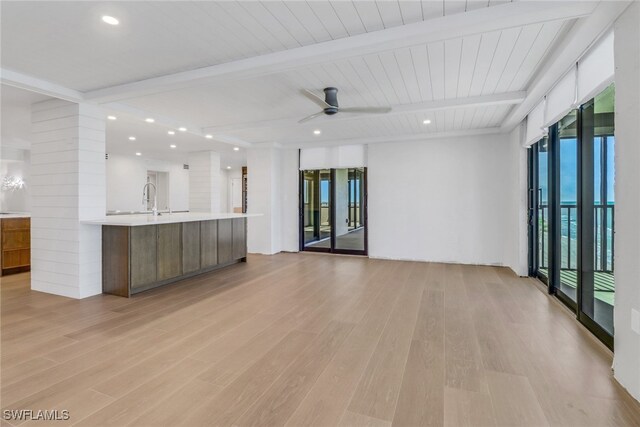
311	117
315	98
366	110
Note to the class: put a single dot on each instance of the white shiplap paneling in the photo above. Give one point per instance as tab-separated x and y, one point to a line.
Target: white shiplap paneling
67	186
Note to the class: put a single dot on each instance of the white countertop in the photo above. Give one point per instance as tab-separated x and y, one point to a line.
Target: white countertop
165	218
8	215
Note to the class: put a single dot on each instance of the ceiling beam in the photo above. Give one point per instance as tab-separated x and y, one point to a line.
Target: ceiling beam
44	87
391	139
509	15
506	98
584	34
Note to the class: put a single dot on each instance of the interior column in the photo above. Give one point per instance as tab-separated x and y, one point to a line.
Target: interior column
627	193
205	182
67	186
263	195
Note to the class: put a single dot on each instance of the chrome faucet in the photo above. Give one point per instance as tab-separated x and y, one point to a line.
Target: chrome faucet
145	197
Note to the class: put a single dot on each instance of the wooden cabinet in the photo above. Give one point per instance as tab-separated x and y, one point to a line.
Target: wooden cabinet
143	255
138	258
225	241
15	245
209	243
239	238
169	251
191	247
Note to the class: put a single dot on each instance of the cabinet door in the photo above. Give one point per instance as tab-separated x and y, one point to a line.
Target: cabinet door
143	244
225	241
190	247
239	238
169	251
208	243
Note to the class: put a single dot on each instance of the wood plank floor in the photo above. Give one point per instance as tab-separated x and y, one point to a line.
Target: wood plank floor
310	339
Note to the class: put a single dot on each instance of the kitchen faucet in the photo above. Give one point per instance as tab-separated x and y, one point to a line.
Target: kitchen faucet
145	200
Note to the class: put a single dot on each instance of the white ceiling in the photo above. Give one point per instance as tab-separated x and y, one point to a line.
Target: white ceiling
427	76
153	141
69	45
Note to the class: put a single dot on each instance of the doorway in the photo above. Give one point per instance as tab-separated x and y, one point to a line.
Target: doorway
160	181
333	214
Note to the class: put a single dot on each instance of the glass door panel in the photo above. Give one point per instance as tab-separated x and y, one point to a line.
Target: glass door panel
542	213
316	202
568	178
349	227
598	285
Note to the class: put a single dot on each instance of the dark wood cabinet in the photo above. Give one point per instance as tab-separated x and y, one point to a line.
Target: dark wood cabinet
239	238
209	243
15	245
191	243
137	258
169	251
143	254
225	241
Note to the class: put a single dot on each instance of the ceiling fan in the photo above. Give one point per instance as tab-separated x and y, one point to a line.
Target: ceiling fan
330	105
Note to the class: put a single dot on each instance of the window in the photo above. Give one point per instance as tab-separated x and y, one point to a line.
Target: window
572	212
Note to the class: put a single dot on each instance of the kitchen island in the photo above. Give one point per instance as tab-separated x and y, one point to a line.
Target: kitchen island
141	252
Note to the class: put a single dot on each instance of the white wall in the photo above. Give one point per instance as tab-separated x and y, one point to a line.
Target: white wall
205	181
126	175
516	209
627	189
440	200
15	162
272	188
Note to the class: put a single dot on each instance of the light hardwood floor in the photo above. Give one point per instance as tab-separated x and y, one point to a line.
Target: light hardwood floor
309	339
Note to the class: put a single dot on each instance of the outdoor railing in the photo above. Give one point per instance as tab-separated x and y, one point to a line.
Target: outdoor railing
603	237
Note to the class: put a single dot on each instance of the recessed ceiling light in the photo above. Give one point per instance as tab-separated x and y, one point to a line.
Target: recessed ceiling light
228	167
171	132
132	138
110	20
426	121
182	129
138	154
149	120
173	146
236	149
208	136
317	132
111	117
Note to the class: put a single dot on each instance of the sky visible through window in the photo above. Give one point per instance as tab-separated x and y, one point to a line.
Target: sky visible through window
569	171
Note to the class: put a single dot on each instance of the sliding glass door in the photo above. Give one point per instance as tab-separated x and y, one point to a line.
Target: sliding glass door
316	207
598	201
568	183
333	210
571	209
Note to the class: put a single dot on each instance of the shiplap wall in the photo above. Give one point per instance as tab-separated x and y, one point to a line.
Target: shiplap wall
67	186
204	182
